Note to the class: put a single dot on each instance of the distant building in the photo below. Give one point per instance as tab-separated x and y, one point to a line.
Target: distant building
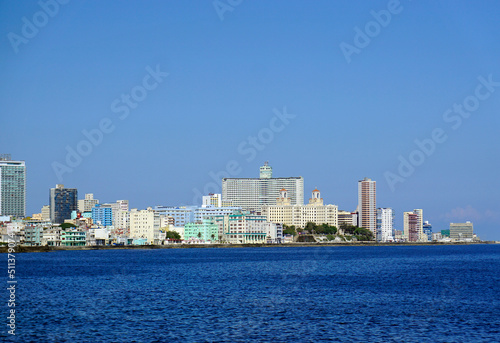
413	226
86	205
207	230
181	215
208	212
346	217
427	229
73	238
62	202
102	215
145	224
385	221
45	213
284	212
253	193
12	187
33	235
461	231
367	205
244	227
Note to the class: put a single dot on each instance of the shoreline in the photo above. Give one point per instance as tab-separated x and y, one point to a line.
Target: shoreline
28	249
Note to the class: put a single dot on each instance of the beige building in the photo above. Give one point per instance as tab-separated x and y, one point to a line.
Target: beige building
85	205
367	205
286	213
145	224
413	230
346	217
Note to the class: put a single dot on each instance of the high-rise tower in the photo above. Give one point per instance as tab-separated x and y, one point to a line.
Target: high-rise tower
62	202
12	187
367	205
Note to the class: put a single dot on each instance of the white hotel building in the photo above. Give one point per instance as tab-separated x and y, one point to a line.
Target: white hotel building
286	213
253	193
385	220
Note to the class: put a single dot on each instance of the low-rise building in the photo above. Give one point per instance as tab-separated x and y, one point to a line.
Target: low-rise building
245	227
205	231
461	231
73	238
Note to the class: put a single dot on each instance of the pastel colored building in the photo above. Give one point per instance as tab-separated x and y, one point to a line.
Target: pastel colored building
284	212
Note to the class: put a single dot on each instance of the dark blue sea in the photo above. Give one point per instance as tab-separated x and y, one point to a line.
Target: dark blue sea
303	294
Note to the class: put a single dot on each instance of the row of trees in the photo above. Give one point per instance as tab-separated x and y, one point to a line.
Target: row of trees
360	233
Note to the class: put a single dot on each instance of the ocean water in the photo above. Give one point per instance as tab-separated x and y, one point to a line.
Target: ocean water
303	294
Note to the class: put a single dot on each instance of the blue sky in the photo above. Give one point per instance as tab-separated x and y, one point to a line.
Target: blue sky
226	80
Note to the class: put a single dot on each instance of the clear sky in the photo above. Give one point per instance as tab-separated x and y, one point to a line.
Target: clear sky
360	91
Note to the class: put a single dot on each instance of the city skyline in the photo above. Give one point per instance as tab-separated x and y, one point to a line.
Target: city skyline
156	110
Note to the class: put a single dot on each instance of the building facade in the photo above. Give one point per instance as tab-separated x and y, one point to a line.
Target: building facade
413	226
86	205
410	227
102	215
12	187
299	215
461	231
385	225
367	205
253	193
207	230
244	227
145	224
62	202
181	215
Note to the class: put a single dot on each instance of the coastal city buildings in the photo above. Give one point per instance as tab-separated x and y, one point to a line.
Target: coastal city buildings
207	230
284	212
461	231
145	224
367	205
85	205
102	215
245	227
427	230
413	226
385	220
62	202
12	187
253	193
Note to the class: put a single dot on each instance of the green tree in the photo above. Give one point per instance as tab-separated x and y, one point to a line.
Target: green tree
173	235
310	226
199	234
65	226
